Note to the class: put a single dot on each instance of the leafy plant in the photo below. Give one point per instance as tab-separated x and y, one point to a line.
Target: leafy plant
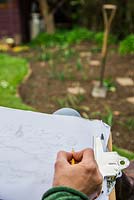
130	123
127	45
79	34
85	115
56	74
45	56
61	75
52	71
79	65
108	117
63	38
68	53
80	98
69	73
95	114
62	102
95	49
84	76
71	101
110	85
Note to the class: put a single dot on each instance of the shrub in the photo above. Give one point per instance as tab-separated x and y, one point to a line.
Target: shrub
63	37
127	45
78	35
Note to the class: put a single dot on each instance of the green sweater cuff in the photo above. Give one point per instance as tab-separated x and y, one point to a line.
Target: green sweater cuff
64	193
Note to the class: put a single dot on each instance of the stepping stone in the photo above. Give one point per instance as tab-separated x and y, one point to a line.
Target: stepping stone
130	100
95	63
76	90
85	54
116	113
117	134
125	81
42	64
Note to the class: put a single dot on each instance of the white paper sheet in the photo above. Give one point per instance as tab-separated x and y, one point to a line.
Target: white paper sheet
29	142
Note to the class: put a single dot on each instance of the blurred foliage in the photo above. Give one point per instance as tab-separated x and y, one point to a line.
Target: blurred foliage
89	14
98	37
127	45
12	72
110	85
45	56
63	37
70	101
128	123
79	65
123	152
108	117
68	53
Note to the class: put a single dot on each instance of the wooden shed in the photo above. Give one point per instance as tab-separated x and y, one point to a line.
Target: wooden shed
15	18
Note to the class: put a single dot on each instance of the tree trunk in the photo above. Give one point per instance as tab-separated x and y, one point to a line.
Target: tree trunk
48	17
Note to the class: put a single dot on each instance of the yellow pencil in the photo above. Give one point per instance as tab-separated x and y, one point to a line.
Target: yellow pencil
73	160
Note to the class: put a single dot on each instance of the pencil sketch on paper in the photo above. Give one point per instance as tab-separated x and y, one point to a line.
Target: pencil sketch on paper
29	142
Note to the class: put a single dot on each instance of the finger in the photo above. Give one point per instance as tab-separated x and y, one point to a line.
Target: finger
64	156
88	156
78	155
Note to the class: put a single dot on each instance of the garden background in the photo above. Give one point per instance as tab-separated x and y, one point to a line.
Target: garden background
59	67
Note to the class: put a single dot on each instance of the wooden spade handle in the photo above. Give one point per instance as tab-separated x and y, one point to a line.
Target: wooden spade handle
109	11
109	6
112	196
107	23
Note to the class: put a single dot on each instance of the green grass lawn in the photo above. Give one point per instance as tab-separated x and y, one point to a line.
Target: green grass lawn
12	72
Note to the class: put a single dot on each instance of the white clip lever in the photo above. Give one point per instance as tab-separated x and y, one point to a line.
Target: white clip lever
110	163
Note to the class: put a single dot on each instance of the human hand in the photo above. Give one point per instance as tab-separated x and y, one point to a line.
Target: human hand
83	176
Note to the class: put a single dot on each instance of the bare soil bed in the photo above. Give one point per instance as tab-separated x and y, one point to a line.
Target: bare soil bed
46	88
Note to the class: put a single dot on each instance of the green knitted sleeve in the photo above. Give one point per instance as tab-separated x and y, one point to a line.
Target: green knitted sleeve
64	193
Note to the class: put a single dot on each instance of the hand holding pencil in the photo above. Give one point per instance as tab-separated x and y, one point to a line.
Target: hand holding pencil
83	176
